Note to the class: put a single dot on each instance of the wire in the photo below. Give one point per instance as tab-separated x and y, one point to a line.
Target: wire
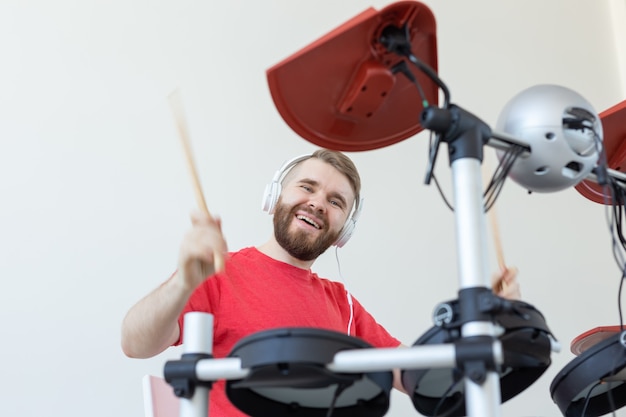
610	390
500	175
441	193
588	397
496	184
444	396
404	69
613	216
619	301
426	69
348	295
338	391
615	228
433	144
614	197
398	40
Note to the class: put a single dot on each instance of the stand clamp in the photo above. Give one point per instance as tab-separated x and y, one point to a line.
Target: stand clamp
181	374
475	356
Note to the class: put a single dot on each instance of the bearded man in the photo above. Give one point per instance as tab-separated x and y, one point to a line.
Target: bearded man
315	200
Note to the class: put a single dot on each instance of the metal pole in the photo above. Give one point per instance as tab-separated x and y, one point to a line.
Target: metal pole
198	338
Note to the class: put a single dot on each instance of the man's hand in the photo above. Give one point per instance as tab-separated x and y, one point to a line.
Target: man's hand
202	247
505	284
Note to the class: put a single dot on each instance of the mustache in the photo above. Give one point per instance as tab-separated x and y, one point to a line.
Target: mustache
311	213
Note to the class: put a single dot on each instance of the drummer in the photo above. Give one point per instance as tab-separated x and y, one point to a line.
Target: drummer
315	200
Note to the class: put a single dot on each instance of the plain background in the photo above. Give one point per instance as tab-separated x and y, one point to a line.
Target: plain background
96	195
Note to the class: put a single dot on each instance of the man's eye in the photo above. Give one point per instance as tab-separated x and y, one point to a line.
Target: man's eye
306	187
335	203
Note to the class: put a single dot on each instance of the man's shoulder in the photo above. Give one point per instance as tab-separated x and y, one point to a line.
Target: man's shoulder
329	283
243	254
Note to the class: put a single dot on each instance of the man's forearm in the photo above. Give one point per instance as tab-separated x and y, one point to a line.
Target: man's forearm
151	325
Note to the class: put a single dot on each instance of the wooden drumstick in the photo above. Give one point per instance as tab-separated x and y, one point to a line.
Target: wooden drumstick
496	238
179	117
495	231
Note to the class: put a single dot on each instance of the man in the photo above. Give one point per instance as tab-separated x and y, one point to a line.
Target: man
314	200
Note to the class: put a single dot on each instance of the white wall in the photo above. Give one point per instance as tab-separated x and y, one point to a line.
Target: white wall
95	193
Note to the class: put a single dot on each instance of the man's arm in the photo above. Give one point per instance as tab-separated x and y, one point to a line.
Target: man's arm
397	375
151	325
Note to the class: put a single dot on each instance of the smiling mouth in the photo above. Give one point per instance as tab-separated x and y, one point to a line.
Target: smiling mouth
309	220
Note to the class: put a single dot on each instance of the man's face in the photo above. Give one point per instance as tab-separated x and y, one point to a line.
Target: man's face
312	209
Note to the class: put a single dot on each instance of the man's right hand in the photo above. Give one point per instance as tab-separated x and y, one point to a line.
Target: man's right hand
151	325
202	250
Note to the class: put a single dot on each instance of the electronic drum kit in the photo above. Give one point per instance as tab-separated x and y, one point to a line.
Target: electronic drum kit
289	371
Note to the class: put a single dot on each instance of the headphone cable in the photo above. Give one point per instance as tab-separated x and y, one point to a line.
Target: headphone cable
348	295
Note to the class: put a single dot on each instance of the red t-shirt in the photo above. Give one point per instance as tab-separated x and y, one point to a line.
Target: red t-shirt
256	293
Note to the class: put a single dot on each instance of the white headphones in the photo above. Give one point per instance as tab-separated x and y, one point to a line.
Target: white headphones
273	190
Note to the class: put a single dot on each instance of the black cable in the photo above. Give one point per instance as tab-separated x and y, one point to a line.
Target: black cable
338	391
434	149
403	67
445	200
501	173
615	221
602	165
445	395
432	156
426	69
619	300
398	40
588	397
613	197
496	184
615	224
615	227
497	180
434	143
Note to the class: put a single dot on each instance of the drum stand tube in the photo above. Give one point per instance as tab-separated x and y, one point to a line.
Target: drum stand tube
466	136
181	375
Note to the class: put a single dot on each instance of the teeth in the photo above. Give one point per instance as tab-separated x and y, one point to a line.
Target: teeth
309	220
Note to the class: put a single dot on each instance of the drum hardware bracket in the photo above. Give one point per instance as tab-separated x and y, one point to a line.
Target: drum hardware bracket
474	355
485	306
481	304
181	374
491	303
622	338
443	314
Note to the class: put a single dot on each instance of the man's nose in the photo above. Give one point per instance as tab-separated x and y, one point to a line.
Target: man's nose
316	202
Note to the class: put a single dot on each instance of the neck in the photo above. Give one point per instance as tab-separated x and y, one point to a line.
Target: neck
272	249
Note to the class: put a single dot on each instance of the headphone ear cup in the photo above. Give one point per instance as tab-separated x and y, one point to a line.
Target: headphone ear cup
270	196
348	227
345	234
273	189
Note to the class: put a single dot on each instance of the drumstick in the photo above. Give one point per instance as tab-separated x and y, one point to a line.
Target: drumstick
496	238
179	117
495	231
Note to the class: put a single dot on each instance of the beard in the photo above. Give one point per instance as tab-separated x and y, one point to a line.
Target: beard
299	244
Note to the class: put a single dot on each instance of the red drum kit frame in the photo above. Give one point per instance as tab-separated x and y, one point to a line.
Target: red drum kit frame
483	350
